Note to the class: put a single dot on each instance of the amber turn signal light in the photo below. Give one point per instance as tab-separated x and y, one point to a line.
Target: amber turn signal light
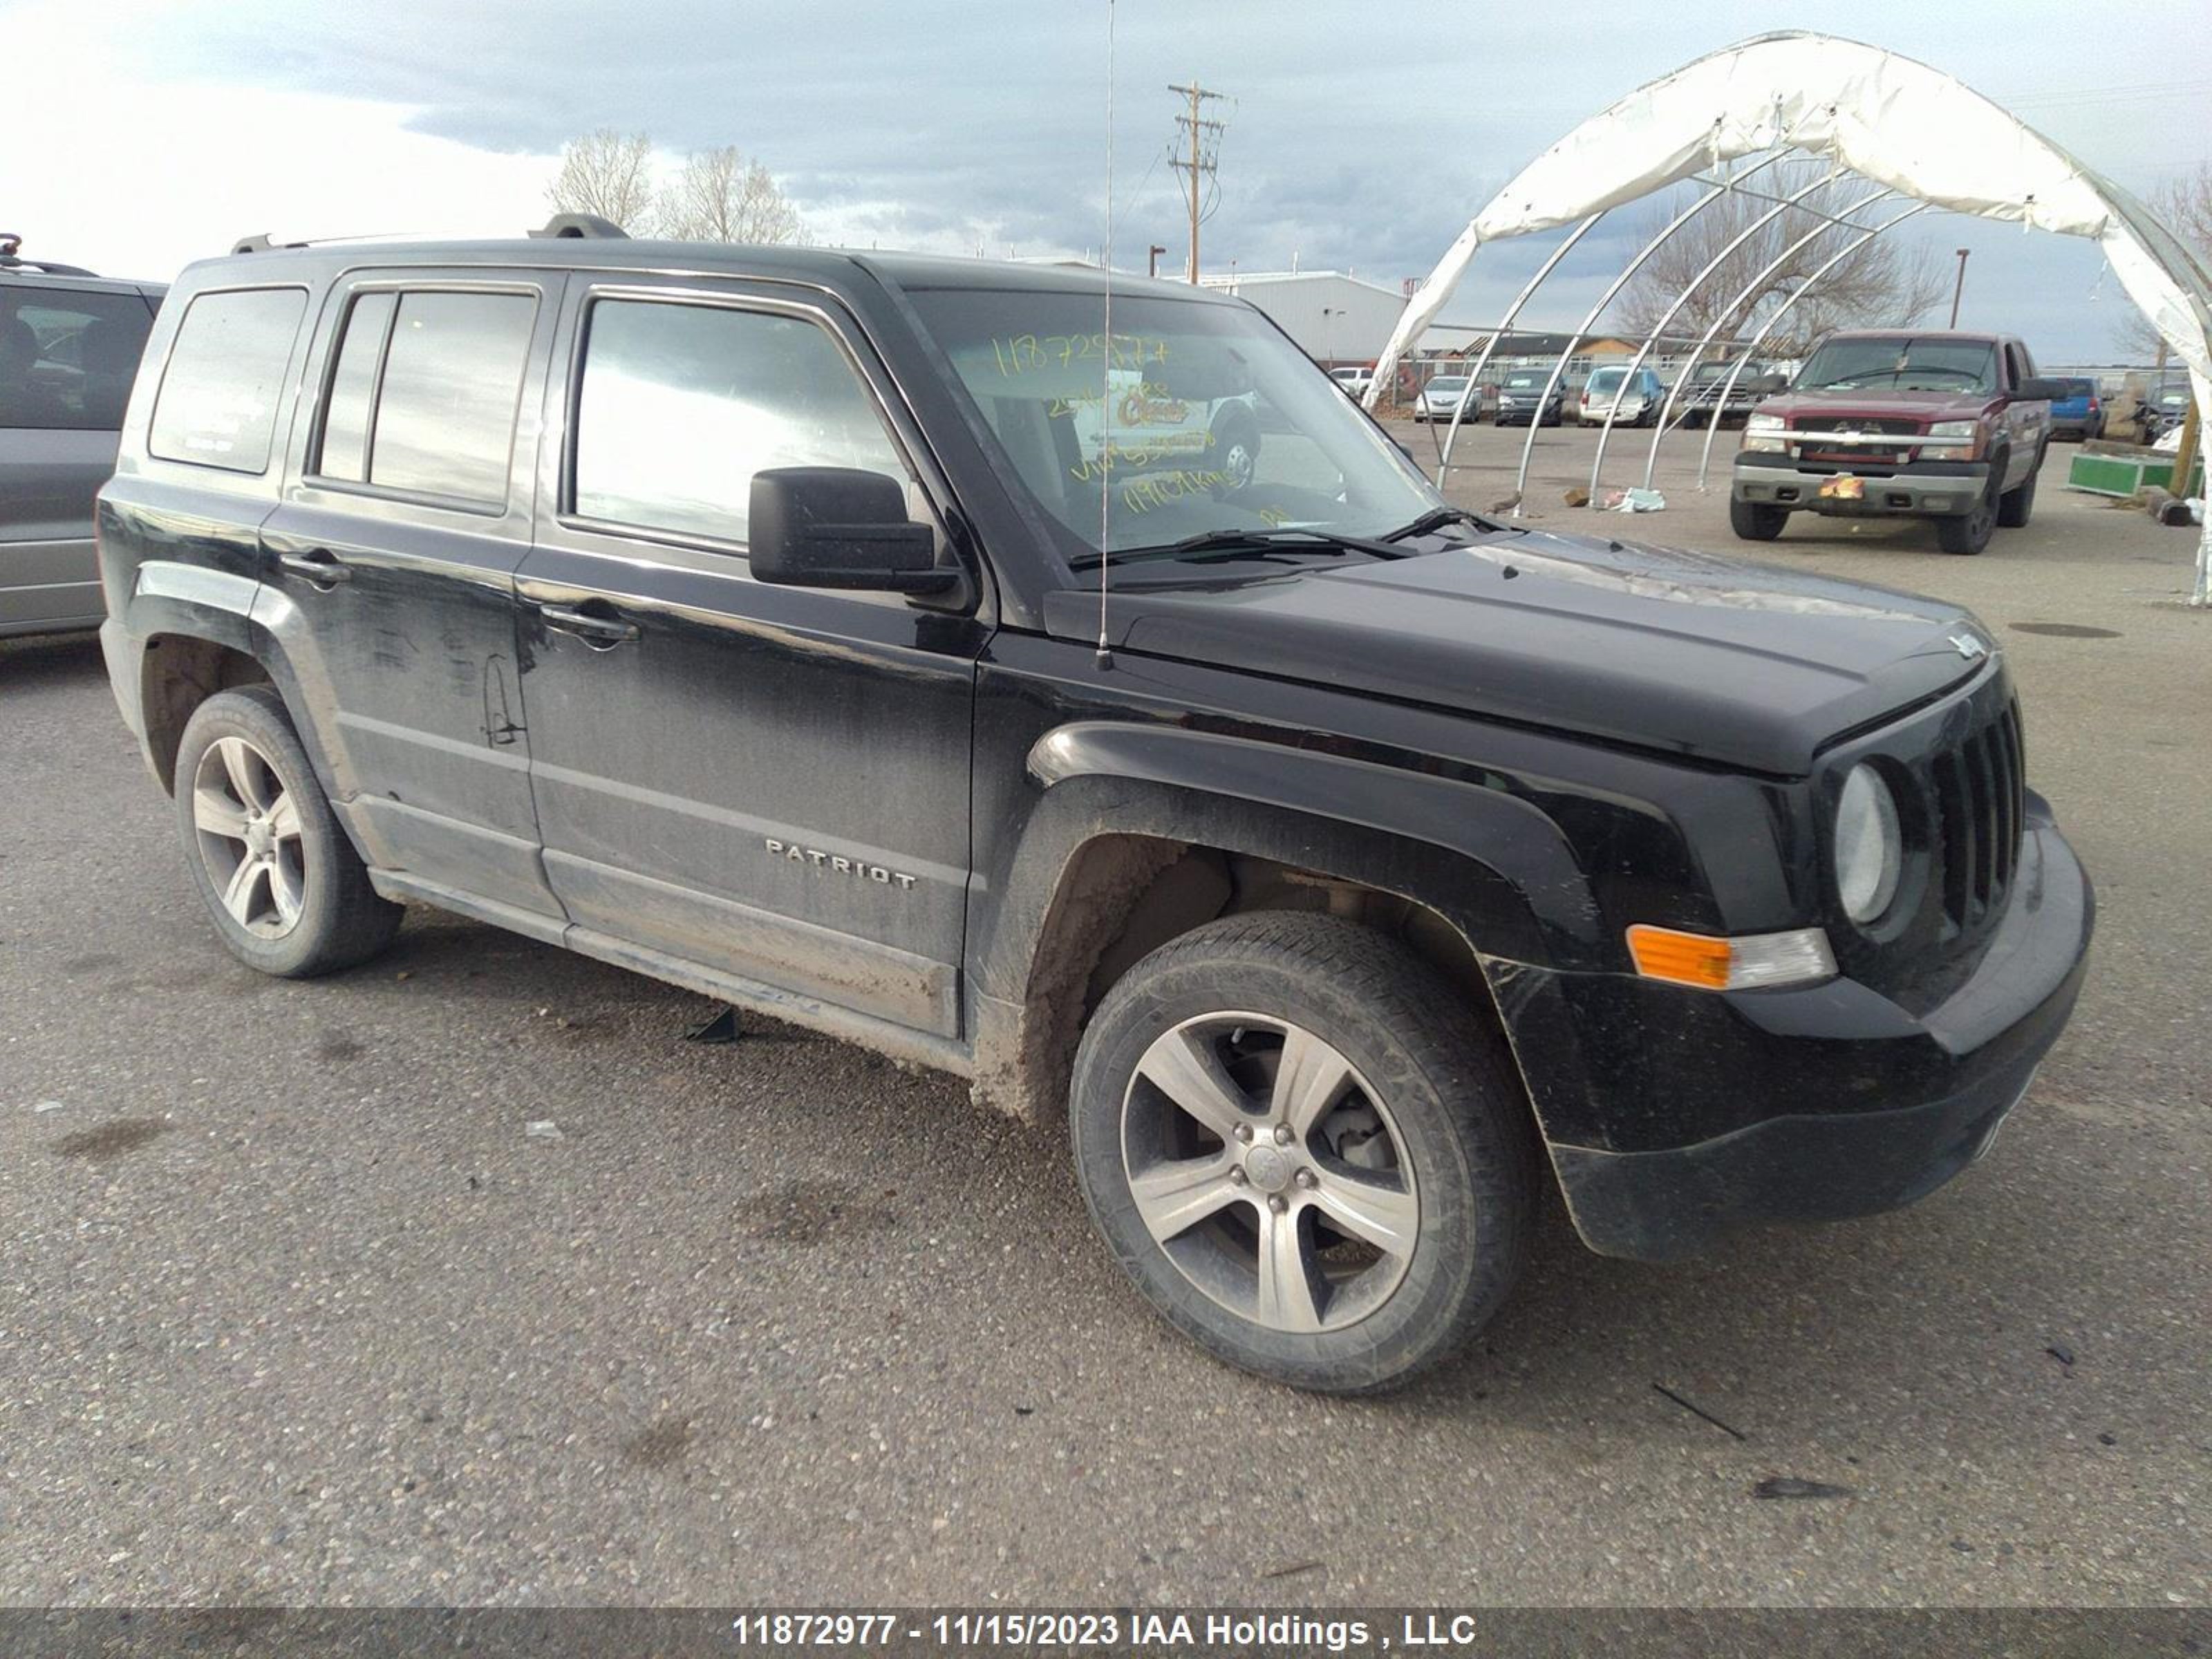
1745	962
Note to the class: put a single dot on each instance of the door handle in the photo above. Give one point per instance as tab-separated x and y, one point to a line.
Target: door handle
320	567
594	630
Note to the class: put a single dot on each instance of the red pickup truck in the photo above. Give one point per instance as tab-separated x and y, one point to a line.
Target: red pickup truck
1898	422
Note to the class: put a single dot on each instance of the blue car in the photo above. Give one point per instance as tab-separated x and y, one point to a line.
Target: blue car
2080	413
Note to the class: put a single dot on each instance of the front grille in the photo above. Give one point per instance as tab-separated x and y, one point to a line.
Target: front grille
1855	423
1977	789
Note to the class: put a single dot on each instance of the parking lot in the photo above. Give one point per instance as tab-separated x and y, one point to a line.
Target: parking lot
292	1307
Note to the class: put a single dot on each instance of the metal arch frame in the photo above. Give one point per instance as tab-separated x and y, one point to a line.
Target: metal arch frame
1675	392
1536	419
1489	347
1782	205
1704	458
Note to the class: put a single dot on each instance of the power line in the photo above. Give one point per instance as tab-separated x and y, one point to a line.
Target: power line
1203	155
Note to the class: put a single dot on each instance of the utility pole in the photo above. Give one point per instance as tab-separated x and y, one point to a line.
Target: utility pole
1958	292
1204	140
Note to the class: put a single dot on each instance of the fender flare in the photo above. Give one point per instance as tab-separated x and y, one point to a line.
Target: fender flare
1524	886
1492	865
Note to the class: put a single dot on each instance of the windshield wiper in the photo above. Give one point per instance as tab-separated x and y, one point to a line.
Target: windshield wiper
1227	543
1437	517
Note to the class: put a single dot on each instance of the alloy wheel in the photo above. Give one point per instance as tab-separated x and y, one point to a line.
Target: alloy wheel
249	837
1269	1172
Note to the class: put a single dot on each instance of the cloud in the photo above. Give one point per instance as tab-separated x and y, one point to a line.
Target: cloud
1358	137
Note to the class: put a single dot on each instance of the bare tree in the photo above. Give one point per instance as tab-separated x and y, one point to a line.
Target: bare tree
720	197
2183	205
609	173
1886	281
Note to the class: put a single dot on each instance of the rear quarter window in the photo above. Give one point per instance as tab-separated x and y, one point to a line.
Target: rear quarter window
67	357
218	405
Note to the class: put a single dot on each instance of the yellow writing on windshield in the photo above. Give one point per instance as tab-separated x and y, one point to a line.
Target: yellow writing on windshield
1022	354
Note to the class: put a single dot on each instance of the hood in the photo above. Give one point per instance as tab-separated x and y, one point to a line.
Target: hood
1877	405
1684	653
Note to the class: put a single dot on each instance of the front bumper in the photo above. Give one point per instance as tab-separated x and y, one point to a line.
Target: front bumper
1806	1104
1936	489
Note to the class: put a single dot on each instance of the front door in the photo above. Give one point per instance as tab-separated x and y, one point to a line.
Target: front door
768	783
388	575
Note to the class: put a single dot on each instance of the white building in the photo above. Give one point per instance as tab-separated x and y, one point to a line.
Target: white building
1338	319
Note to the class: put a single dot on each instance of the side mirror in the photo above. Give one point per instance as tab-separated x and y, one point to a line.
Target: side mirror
836	526
2039	392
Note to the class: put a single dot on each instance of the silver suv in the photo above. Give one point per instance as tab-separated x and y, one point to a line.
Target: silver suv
69	345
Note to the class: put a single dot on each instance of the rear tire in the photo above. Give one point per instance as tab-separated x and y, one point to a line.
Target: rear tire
1756	521
288	894
1339	1236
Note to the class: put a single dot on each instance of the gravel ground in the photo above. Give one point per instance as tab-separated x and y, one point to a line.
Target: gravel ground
293	1309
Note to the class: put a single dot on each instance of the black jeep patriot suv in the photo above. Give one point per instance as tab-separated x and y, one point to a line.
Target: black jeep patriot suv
881	643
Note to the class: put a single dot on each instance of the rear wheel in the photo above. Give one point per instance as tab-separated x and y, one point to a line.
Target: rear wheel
287	893
1236	452
1296	1141
1756	521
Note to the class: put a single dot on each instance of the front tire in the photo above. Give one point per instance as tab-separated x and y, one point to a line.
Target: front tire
288	894
1296	1140
1756	521
2014	506
1968	533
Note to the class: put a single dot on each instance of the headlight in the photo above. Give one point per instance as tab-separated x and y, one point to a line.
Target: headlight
1756	431
1869	849
1971	429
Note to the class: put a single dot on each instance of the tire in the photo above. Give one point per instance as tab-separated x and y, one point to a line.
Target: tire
1756	521
1236	453
1425	1134
1968	533
2015	505
307	908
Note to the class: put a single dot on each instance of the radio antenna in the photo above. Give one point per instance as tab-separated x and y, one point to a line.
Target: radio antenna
1106	358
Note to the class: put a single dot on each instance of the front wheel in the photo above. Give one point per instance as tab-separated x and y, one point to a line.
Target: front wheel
287	893
1968	533
2014	506
1296	1141
1756	521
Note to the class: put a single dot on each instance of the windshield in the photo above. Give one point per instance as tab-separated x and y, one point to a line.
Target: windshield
1606	379
1215	420
1527	380
1902	363
1448	383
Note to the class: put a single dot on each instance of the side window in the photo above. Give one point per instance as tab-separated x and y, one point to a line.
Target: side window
444	419
67	359
681	404
218	405
344	452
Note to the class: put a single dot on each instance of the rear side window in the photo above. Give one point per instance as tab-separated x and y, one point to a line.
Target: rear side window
681	404
218	405
67	359
423	393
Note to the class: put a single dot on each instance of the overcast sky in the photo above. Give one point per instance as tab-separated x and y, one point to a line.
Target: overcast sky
1361	136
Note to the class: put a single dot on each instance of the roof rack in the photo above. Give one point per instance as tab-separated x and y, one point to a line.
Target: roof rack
590	225
559	225
11	259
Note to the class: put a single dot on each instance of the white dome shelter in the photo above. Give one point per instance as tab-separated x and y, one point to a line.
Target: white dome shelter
1909	129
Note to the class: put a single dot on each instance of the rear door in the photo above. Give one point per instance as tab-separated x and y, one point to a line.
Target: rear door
768	782
389	572
68	355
